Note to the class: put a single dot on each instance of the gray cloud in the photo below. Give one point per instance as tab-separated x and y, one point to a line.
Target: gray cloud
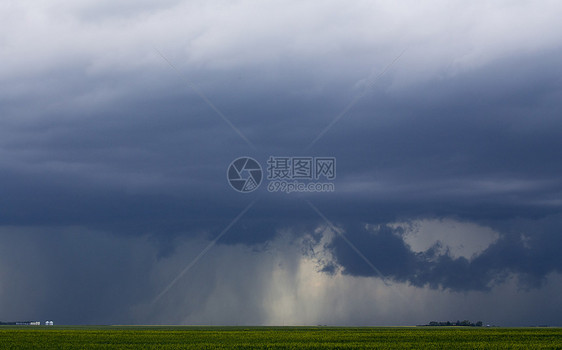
98	132
519	250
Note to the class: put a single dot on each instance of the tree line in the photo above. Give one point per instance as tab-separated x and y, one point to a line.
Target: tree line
465	323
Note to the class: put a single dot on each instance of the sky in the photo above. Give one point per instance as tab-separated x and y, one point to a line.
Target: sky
119	122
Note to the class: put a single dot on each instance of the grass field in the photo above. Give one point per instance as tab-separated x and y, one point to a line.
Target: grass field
132	337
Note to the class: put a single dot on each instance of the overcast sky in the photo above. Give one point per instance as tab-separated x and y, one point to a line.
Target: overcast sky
119	120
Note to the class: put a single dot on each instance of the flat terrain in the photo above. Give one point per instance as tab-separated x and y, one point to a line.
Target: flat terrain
164	337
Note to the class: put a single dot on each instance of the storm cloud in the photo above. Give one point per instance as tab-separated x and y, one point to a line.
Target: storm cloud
118	123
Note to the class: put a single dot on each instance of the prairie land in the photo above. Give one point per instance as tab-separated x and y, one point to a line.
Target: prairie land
191	337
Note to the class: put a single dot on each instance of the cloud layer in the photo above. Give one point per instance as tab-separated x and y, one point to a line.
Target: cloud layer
114	149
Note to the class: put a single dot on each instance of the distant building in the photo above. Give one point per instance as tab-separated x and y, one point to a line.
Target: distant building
49	323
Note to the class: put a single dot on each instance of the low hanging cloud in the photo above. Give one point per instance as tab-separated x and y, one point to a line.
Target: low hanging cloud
530	255
114	280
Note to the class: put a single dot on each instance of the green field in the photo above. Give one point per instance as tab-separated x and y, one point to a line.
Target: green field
130	337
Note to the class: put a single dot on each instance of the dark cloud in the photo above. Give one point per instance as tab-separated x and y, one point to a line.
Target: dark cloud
520	251
99	132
